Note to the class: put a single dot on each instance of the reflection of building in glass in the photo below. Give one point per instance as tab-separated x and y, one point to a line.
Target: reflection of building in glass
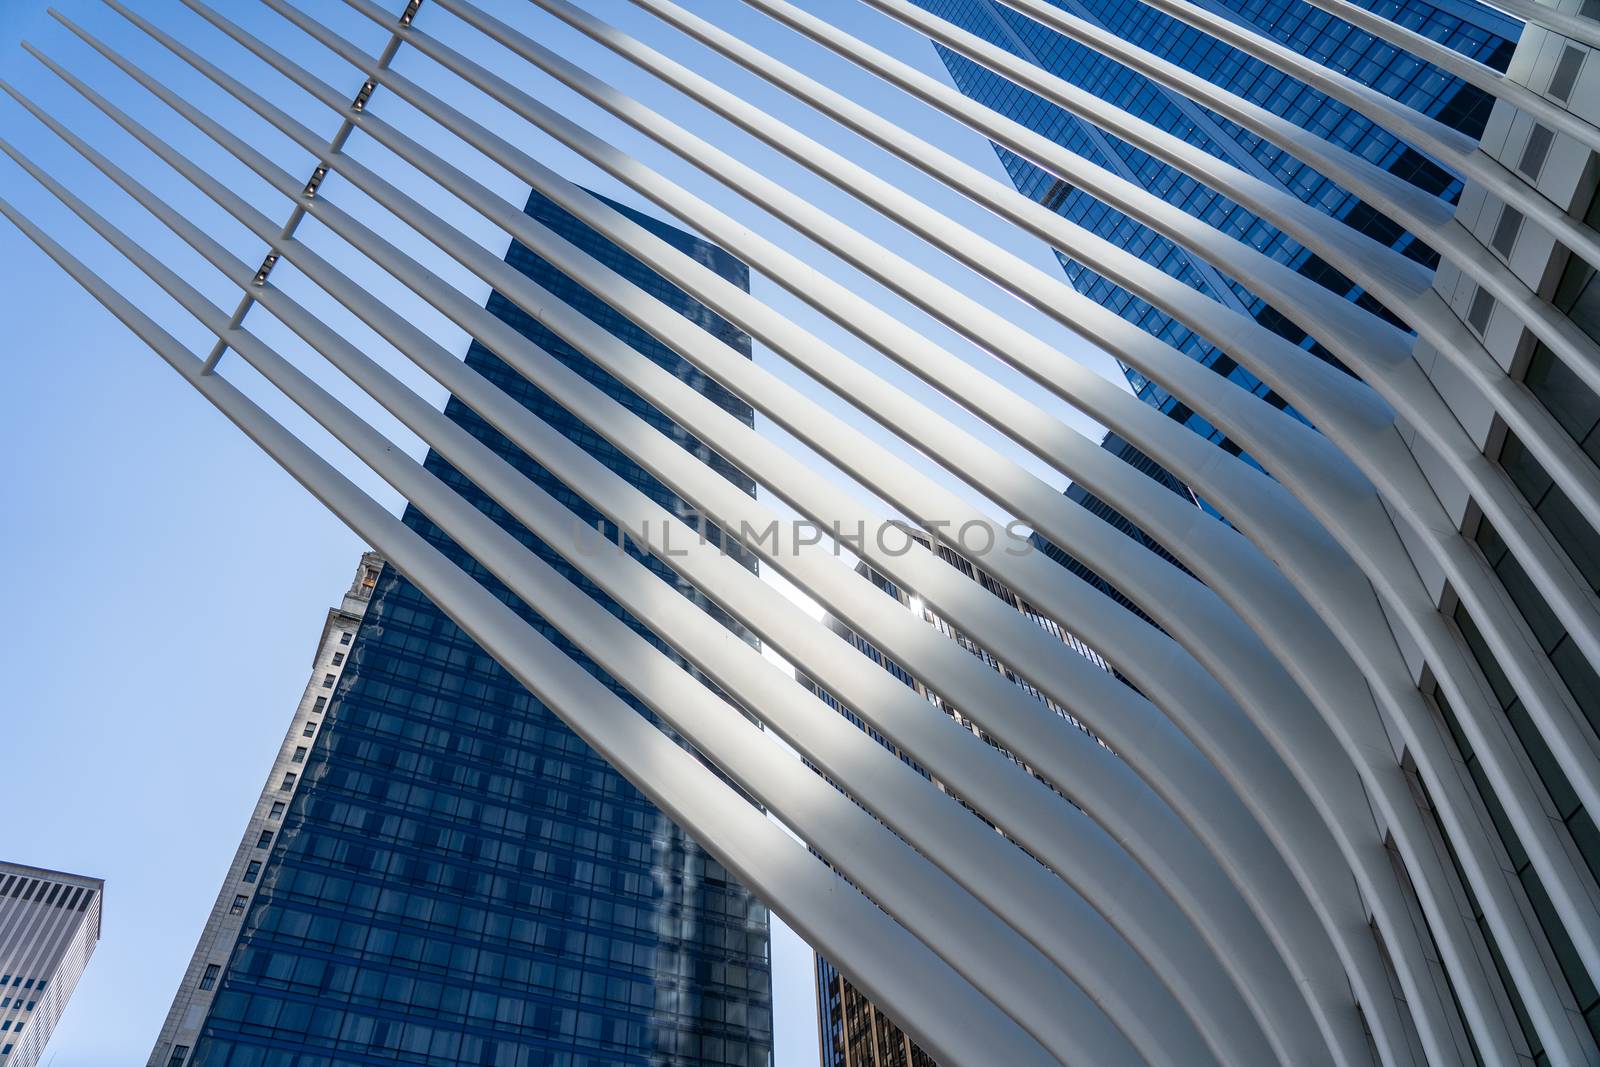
853	1032
49	926
1469	27
458	878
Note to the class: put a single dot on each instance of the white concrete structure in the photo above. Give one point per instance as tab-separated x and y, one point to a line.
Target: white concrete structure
49	926
220	934
1356	777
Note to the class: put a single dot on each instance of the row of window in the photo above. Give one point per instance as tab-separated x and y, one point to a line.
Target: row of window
252	871
374	1037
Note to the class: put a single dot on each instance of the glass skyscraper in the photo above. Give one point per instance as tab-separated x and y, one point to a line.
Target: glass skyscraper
458	878
1465	25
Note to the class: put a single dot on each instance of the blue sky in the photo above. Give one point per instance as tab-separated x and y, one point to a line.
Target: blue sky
164	582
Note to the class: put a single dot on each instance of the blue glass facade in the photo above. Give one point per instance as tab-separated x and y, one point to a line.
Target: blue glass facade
459	878
1462	24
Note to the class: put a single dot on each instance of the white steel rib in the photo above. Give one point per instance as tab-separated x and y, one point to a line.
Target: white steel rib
1276	852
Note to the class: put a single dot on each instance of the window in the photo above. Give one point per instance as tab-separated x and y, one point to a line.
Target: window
277	810
209	979
1482	307
338	658
1565	79
321	703
265	840
1505	233
299	755
1535	152
288	781
253	871
327	681
179	1054
344	638
238	904
311	728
